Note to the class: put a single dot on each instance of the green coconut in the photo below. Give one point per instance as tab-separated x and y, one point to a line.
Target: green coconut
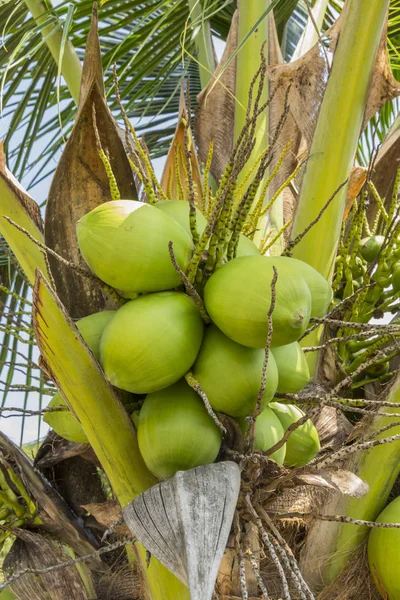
125	243
91	329
151	342
179	211
303	443
383	552
238	297
230	374
64	423
292	366
175	432
246	247
396	277
269	431
321	291
370	247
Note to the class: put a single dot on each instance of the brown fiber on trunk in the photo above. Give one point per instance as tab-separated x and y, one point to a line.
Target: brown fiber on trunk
38	551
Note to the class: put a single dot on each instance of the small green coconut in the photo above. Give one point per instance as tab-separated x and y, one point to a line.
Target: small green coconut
179	211
269	431
293	369
91	329
321	291
370	247
238	296
303	443
175	432
246	247
383	552
125	243
64	423
230	374
396	277
151	342
378	369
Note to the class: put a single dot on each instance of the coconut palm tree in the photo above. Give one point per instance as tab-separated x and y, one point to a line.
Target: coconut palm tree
300	93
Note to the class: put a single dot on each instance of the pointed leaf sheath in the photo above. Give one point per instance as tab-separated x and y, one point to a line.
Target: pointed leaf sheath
80	378
185	522
80	184
55	514
18	206
174	177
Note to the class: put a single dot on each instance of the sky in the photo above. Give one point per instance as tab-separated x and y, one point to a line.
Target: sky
11	426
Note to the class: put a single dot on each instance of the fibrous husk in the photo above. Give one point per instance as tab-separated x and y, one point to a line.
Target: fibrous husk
384	86
216	113
37	551
354	583
54	449
333	427
80	184
78	481
228	580
107	514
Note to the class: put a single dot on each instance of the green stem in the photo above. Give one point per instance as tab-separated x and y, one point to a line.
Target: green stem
336	136
203	41
309	36
248	61
330	545
335	140
71	67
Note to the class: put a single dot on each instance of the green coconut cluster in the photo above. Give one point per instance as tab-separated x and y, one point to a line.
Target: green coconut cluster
159	336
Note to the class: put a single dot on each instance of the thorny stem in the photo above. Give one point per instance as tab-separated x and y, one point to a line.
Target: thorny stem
294	242
189	173
319	463
287	434
66	564
260	581
195	385
335	518
269	546
189	287
293	562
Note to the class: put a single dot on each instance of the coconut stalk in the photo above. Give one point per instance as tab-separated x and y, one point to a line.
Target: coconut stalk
337	132
248	60
330	546
309	36
338	127
203	41
71	67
